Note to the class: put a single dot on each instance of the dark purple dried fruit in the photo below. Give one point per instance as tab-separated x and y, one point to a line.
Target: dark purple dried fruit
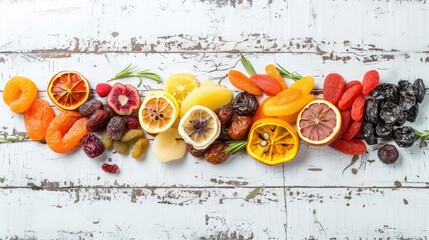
132	122
371	111
98	121
388	154
92	146
198	153
390	112
88	108
407	96
412	113
368	134
240	127
109	110
215	153
404	136
401	119
419	90
384	91
383	131
225	114
115	128
245	104
224	136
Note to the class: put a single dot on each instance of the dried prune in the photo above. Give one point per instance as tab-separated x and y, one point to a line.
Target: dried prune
401	119
368	133
388	154
245	104
115	128
224	136
240	127
412	113
404	136
407	96
109	110
390	112
98	121
225	114
384	91
88	108
215	153
383	130
419	90
140	148
110	168
92	146
371	111
198	153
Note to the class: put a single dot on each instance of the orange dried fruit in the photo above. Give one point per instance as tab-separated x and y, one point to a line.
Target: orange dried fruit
304	84
65	131
268	85
272	71
37	119
68	90
19	93
242	82
260	113
288	108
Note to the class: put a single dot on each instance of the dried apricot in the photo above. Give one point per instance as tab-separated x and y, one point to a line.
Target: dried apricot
346	118
349	97
241	81
352	147
288	108
352	130
304	84
19	93
269	85
288	95
358	108
260	113
333	88
65	131
352	84
37	119
272	71
370	81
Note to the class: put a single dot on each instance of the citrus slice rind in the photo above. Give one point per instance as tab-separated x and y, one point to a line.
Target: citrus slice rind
272	141
180	85
319	122
199	127
68	90
158	112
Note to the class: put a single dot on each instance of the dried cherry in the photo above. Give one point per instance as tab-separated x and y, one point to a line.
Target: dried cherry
132	122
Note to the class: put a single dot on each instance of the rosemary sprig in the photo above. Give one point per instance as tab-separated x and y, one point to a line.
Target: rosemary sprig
235	146
247	65
423	136
12	139
287	74
128	72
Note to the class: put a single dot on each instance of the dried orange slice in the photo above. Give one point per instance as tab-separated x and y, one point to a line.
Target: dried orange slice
68	90
319	122
158	112
272	141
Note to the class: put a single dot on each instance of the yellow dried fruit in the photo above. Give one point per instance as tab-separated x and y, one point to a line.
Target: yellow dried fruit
140	148
121	147
107	142
132	134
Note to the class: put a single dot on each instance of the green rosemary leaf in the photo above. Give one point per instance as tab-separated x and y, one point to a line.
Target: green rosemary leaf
287	74
127	72
247	65
254	193
235	146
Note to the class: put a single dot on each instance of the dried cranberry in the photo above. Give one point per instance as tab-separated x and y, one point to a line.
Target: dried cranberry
110	168
92	146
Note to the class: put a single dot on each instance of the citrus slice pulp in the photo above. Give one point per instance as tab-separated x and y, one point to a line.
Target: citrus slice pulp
68	90
319	122
199	127
158	112
272	141
180	85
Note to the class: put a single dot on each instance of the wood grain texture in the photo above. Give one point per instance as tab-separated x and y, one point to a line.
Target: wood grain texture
44	195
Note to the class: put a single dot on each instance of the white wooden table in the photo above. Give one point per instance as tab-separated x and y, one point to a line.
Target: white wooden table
44	195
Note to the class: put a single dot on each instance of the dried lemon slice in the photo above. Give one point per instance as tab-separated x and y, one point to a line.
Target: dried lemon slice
199	127
180	85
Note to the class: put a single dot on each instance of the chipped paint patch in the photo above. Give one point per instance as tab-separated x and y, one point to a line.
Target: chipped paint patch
2	60
54	55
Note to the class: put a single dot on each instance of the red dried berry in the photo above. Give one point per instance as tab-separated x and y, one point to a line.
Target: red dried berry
349	97
352	147
267	84
132	122
352	130
346	118
352	84
358	108
333	88
110	168
92	146
370	81
103	89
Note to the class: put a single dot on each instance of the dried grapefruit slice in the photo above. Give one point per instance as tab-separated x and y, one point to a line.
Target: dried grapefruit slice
158	112
68	90
272	141
319	122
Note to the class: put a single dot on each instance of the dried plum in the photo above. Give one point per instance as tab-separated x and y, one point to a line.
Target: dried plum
384	91
390	112
407	96
383	130
412	113
225	114
404	136
368	133
401	119
419	89
388	154
245	104
92	146
371	111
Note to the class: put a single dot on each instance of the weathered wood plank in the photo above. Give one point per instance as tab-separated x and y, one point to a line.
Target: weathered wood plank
230	25
357	213
141	213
